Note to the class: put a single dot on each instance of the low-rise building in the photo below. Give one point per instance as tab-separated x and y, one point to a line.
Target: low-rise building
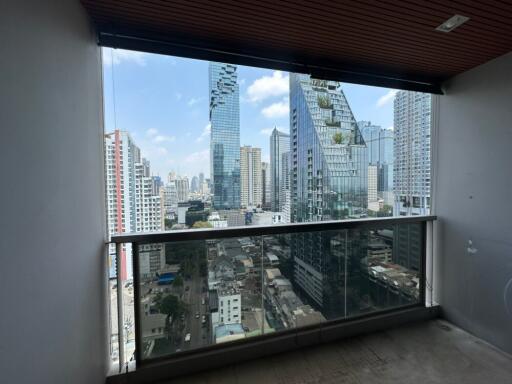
229	332
286	306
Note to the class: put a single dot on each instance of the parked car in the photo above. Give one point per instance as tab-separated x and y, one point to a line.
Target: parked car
187	337
197	315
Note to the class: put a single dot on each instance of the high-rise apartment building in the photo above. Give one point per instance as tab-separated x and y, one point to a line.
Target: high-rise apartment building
148	208
132	205
170	200
411	166
380	153
194	184
373	202
265	186
250	177
279	144
285	192
157	184
329	164
225	135
182	188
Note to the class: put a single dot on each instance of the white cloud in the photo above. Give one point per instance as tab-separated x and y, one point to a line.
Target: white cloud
391	128
198	157
118	56
279	109
268	86
163	138
388	97
206	132
194	101
151	132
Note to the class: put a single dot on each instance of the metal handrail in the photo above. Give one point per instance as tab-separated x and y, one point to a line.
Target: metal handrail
261	230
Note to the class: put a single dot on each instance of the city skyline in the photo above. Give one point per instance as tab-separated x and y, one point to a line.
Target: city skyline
163	102
330	166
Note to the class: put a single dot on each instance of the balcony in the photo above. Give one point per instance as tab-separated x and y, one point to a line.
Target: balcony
446	320
220	294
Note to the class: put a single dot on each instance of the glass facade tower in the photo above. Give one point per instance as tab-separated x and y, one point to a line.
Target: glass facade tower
329	165
380	153
329	159
225	135
279	144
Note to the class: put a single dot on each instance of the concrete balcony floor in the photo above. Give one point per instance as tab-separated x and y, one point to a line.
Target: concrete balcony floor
429	352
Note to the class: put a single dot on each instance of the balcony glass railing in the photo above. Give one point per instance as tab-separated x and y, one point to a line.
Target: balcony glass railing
204	289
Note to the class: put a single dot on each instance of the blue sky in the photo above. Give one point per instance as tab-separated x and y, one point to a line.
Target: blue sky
163	102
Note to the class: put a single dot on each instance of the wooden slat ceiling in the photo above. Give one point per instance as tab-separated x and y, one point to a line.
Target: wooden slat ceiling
389	38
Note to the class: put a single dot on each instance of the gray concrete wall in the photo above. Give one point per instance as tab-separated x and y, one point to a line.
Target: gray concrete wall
52	278
473	200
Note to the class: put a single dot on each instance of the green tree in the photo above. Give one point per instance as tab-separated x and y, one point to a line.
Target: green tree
324	102
168	223
387	210
337	138
178	282
171	306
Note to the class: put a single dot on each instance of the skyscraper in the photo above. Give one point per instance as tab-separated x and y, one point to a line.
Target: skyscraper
157	184
411	171
329	164
284	190
225	135
148	208
170	199
132	206
194	184
380	153
250	176
329	159
373	203
171	176
279	144
182	188
265	186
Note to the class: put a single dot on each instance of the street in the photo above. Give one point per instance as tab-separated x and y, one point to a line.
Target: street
199	332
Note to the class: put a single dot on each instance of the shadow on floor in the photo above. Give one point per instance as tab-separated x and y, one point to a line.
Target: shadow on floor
428	352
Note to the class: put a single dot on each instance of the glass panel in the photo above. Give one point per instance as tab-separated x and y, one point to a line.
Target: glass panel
200	293
128	305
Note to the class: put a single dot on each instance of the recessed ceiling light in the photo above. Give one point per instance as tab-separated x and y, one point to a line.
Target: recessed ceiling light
452	23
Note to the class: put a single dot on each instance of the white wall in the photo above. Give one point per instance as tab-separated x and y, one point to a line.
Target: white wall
473	200
52	277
